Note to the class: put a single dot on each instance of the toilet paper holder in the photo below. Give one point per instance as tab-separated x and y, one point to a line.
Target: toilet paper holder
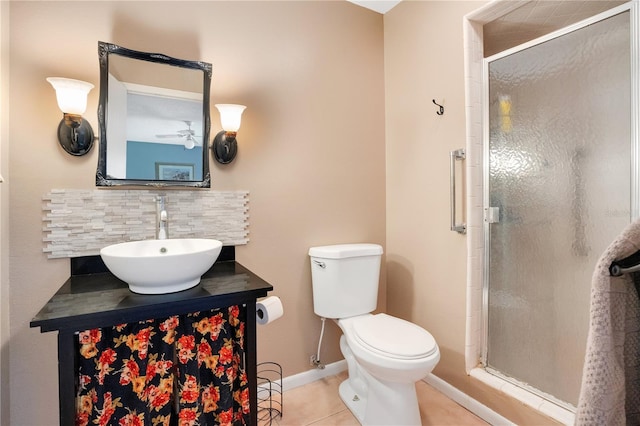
268	310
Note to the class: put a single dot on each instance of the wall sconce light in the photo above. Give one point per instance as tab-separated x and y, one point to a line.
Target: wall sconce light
74	133
225	146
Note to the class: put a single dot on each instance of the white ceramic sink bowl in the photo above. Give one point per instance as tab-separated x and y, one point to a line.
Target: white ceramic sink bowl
161	266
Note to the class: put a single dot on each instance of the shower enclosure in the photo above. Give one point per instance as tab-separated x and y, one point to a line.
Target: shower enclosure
558	163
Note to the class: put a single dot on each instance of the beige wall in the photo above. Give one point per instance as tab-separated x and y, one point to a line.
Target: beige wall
4	213
311	148
426	262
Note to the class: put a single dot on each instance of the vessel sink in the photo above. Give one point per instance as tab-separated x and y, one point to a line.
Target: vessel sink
161	266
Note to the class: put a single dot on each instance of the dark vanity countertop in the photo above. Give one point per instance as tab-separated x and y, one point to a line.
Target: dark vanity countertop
102	300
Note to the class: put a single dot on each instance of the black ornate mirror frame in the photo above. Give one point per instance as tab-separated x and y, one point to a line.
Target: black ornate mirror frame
107	49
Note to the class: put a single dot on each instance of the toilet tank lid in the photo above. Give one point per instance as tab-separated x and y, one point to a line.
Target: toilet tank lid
341	251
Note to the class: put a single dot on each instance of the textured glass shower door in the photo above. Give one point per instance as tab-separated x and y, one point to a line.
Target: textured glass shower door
558	184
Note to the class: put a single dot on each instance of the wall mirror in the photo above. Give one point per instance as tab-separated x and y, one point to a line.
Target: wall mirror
154	119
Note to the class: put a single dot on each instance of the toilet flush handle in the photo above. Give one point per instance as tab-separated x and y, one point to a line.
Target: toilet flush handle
320	264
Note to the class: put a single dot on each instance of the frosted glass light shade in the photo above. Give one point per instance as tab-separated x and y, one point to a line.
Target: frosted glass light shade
230	116
71	94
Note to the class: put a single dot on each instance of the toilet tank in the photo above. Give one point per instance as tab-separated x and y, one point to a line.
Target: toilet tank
345	279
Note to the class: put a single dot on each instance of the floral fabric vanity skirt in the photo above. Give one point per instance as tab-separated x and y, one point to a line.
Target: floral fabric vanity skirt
183	370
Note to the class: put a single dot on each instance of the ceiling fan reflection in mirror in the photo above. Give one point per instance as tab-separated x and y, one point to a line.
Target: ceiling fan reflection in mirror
189	134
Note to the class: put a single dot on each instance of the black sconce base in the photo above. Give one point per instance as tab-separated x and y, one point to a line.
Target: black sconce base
224	148
75	137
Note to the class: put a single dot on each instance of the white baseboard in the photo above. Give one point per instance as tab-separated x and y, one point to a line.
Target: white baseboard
309	376
480	410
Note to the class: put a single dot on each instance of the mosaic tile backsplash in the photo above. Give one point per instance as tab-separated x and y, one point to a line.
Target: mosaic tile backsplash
81	222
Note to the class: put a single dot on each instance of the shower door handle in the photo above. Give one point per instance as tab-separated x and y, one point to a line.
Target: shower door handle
458	154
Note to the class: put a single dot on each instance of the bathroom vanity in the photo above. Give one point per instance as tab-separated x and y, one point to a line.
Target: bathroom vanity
91	300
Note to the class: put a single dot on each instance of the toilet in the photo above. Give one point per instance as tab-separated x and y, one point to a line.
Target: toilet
385	355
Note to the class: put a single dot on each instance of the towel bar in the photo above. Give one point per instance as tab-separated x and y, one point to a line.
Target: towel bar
624	266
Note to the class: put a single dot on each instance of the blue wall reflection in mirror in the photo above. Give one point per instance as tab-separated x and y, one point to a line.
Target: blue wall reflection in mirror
143	159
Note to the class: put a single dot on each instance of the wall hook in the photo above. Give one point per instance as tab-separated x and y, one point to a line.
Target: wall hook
441	111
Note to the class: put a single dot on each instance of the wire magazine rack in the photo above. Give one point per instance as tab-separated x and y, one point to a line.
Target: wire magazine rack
269	392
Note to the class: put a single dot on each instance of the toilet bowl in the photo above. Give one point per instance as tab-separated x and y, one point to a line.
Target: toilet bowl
385	356
390	348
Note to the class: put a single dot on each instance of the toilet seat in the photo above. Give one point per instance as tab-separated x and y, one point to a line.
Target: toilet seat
393	337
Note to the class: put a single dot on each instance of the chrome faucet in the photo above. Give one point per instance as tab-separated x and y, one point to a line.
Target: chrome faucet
162	226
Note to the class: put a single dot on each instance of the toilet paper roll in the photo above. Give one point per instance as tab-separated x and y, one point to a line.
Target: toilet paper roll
268	310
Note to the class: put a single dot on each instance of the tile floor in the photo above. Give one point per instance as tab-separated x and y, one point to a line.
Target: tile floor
319	404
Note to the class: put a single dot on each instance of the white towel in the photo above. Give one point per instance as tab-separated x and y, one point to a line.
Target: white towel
610	391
